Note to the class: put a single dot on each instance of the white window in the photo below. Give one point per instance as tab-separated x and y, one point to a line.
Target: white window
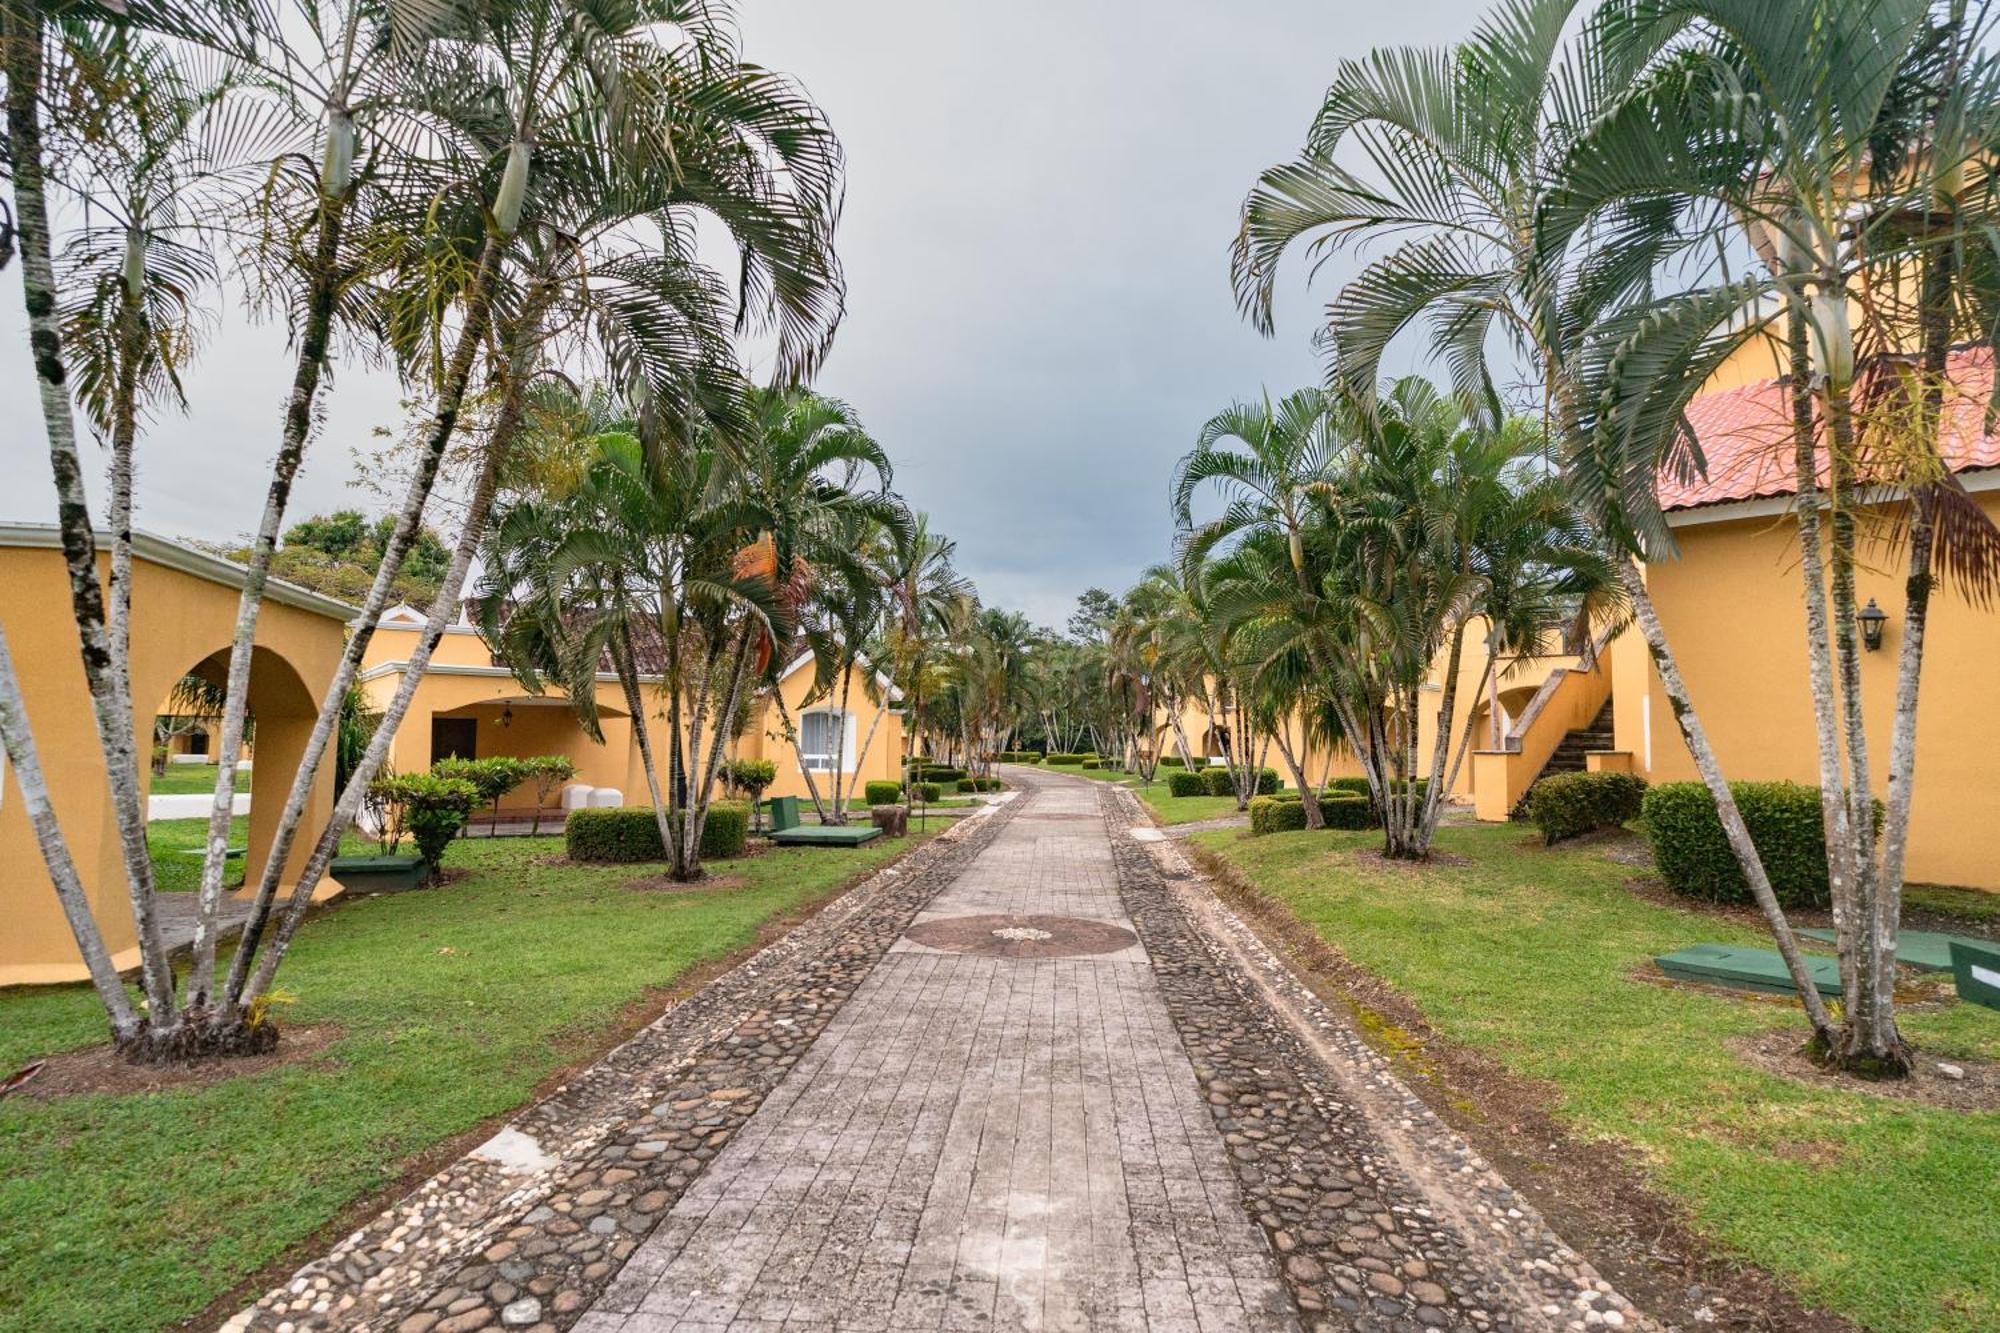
820	733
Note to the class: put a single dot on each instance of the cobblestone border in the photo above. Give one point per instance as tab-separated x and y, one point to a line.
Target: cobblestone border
526	1231
1382	1217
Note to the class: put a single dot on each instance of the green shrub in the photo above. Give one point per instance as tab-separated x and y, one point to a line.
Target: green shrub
1172	761
1268	781
1354	786
1567	805
1346	811
1217	782
433	808
750	776
1091	763
1183	783
1784	822
939	773
631	833
1274	814
882	793
930	792
1019	756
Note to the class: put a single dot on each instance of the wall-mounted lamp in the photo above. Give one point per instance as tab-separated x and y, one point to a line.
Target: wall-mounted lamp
507	710
1872	619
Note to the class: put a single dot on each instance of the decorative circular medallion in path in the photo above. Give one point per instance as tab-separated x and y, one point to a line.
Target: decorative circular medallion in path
1005	935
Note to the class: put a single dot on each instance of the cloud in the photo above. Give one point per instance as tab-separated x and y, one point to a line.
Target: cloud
1040	202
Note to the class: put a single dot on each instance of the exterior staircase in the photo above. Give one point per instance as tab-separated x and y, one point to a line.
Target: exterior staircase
1569	753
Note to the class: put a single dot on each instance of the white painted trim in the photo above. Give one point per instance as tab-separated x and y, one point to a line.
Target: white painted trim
888	686
454	669
170	554
407	619
850	741
1770	506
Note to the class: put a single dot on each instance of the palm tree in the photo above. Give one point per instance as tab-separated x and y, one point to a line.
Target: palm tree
925	597
1842	143
1465	145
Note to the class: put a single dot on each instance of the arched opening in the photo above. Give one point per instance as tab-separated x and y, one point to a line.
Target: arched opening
187	742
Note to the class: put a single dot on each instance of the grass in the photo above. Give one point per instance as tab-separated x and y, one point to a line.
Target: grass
1884	1211
454	1005
193	780
175	872
1166	807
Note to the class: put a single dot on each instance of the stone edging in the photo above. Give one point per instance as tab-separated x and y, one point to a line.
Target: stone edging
526	1230
1382	1216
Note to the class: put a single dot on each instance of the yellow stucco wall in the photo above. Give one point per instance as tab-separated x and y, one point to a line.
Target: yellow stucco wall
1735	616
879	759
180	621
463	683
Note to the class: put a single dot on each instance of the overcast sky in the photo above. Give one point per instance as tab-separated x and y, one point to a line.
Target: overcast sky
1040	199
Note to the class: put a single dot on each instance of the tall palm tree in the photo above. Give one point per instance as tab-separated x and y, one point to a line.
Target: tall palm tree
1845	144
1463	146
925	594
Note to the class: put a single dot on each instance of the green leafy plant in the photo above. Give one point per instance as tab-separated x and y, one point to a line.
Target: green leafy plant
1347	812
433	808
882	792
492	777
632	833
1567	805
1218	782
1784	819
547	772
1184	783
930	792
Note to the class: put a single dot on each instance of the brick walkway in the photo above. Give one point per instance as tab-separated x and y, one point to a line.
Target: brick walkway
977	1141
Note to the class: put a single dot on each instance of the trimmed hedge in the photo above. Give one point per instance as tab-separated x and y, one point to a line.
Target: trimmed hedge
1084	759
631	833
1346	811
1217	782
1784	822
882	793
1286	812
1268	782
1172	761
1019	756
939	773
1276	814
1184	783
1356	786
1091	763
930	792
1568	805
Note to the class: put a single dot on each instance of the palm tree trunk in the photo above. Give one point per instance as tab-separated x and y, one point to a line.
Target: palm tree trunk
124	434
111	702
1433	798
409	523
307	371
19	744
1841	871
1306	790
625	663
443	610
805	769
1647	617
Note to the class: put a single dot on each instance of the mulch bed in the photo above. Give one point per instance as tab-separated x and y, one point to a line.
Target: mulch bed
1782	1053
1593	1193
100	1070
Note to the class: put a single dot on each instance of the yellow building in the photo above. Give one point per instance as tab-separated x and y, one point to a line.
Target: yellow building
183	616
470	705
1734	612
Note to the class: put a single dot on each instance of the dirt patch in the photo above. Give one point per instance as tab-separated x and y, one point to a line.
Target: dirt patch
664	884
1782	1053
100	1069
1374	860
1593	1193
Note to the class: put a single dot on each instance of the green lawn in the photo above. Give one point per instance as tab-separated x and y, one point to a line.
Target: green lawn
193	780
1168	808
134	1213
1885	1211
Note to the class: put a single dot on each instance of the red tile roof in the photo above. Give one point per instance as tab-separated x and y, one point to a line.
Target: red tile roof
1745	435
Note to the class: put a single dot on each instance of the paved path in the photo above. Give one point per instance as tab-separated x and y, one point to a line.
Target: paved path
977	1141
1035	1076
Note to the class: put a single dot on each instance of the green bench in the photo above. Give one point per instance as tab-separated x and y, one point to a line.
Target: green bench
1925	950
1742	968
1976	971
786	830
